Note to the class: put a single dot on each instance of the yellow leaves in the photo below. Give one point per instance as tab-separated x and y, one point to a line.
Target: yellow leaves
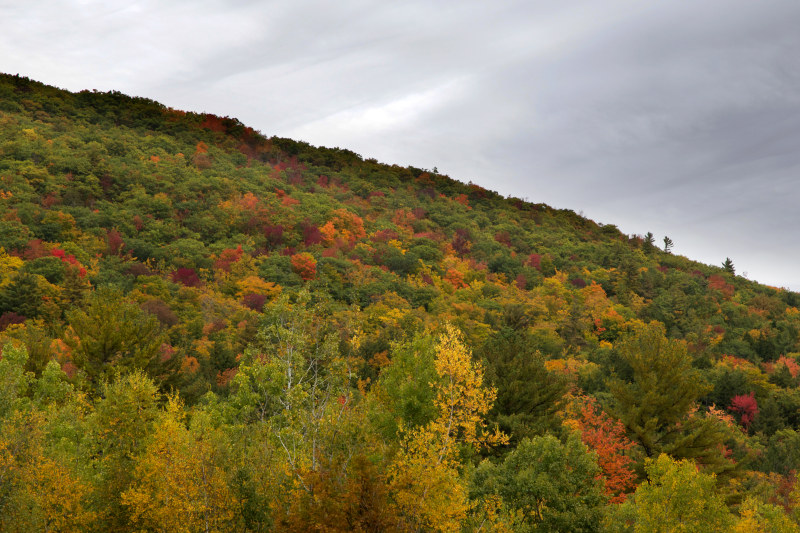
9	264
424	476
177	484
40	492
256	285
461	398
58	494
397	244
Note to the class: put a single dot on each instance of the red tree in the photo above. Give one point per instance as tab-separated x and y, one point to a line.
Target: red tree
746	406
228	257
606	436
304	265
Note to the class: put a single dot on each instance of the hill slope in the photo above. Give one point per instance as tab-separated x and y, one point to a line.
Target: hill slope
299	299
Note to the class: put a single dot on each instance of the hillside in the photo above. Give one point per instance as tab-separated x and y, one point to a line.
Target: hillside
203	327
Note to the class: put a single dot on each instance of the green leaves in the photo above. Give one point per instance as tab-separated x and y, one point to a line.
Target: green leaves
547	484
656	403
676	498
112	335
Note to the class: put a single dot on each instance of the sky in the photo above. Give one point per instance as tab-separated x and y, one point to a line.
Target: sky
677	118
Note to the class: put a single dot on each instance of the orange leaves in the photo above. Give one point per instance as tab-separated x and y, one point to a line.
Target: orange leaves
606	436
718	283
228	257
304	265
344	227
455	278
328	233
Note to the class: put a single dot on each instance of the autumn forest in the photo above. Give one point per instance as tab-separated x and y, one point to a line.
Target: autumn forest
206	329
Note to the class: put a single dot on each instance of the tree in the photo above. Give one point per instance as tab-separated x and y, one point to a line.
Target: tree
758	517
552	486
728	266
304	265
177	483
291	393
649	242
114	335
657	401
606	437
676	498
528	396
23	295
667	244
123	420
423	476
746	406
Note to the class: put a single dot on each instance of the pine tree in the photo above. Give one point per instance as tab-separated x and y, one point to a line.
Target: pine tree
728	266
657	404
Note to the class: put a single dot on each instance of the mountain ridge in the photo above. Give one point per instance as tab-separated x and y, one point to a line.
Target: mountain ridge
177	288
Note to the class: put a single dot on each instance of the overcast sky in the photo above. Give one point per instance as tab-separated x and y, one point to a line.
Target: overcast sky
680	118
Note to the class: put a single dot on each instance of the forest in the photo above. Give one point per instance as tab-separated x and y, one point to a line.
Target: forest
207	329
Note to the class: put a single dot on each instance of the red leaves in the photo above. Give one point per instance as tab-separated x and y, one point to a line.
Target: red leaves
114	242
68	259
187	277
606	436
304	265
311	234
746	406
228	257
254	301
462	241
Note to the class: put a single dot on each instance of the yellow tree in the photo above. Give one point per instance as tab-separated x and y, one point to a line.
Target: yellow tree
177	484
38	492
424	477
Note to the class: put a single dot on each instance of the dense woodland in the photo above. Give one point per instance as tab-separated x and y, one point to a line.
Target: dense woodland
204	329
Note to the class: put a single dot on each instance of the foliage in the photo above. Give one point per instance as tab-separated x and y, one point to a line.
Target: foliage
676	497
549	485
657	403
206	328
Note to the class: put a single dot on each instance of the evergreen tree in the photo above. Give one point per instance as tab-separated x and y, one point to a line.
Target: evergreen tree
656	404
728	266
528	396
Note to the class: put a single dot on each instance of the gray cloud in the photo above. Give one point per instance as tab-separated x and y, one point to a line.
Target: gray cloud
672	117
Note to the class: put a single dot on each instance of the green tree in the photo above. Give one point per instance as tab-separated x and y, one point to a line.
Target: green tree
23	295
656	402
113	335
649	242
676	498
548	485
728	266
528	396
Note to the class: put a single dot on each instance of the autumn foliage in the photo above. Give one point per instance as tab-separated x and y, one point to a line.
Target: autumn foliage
205	329
606	437
304	265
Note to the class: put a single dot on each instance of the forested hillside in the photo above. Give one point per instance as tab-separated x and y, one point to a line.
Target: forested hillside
204	329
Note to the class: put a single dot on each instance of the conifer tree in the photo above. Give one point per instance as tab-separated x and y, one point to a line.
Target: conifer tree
656	405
